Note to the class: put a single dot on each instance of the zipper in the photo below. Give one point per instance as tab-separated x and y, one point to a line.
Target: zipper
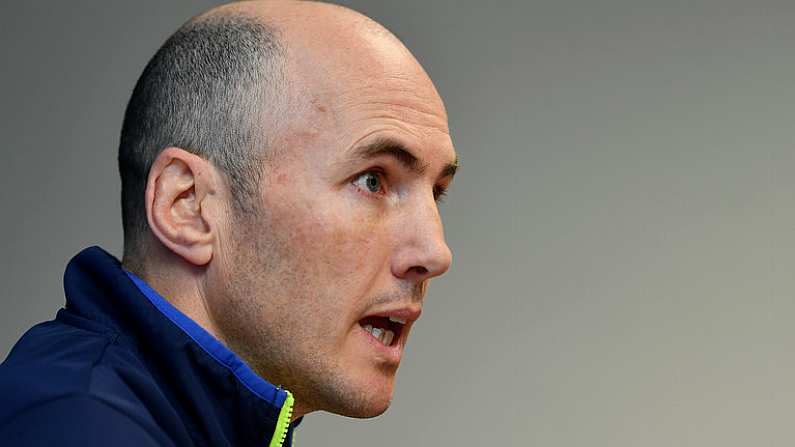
280	434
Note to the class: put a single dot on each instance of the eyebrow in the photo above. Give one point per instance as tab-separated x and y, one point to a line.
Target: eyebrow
396	150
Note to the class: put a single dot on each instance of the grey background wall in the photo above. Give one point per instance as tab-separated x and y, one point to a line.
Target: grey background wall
623	225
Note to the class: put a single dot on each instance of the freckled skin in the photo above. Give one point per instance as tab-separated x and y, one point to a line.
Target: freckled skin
288	284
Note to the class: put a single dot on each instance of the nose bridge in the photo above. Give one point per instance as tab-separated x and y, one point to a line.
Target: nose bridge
421	249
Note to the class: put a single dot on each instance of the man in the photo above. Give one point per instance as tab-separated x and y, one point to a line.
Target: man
280	166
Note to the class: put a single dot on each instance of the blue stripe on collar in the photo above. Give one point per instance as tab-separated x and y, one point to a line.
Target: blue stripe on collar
256	384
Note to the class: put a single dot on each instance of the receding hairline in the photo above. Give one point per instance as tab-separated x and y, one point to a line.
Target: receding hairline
291	21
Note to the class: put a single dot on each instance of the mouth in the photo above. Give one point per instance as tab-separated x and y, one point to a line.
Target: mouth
385	330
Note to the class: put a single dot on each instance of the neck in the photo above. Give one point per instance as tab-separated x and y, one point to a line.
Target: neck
180	284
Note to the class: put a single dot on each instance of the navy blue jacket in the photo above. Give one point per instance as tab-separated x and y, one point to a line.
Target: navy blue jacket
120	366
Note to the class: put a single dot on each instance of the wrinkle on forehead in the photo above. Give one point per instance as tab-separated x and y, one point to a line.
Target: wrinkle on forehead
365	104
400	91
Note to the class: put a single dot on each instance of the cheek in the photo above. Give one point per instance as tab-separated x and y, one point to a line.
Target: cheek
347	245
335	237
337	258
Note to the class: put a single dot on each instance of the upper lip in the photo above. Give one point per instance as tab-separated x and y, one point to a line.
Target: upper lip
409	313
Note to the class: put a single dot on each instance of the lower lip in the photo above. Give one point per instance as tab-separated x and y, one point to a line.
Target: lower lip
390	354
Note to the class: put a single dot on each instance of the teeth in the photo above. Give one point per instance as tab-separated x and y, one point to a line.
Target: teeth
385	336
388	336
397	320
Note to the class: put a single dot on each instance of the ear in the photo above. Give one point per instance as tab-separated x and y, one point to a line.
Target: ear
178	184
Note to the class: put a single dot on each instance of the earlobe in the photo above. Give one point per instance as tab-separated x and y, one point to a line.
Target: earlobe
177	186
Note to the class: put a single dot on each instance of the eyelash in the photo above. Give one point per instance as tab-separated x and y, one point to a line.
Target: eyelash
439	192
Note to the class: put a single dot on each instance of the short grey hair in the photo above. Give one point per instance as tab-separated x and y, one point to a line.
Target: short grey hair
205	91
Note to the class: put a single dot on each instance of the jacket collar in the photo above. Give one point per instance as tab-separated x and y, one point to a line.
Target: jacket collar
216	389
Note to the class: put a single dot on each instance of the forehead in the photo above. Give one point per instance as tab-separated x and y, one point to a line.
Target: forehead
370	86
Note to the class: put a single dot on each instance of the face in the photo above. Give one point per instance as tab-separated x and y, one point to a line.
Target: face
322	285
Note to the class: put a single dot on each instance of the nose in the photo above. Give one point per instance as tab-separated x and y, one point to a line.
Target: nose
421	250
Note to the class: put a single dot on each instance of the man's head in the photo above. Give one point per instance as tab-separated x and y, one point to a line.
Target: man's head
308	216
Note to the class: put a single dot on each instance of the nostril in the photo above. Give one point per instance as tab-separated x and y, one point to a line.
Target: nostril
420	270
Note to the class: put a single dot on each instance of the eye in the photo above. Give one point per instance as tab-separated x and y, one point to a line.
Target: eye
370	181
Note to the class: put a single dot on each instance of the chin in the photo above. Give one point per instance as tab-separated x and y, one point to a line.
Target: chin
363	401
367	411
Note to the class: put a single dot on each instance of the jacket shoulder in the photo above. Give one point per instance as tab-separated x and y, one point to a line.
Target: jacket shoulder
50	360
66	375
77	420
